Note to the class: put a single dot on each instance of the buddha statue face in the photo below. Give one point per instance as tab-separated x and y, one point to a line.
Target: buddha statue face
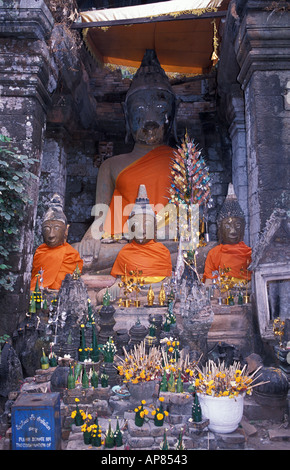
150	114
231	230
142	227
54	232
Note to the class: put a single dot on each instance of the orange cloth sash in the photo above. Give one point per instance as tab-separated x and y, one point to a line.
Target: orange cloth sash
236	257
56	262
153	170
152	258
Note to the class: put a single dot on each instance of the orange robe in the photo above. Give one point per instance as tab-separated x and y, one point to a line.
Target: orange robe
236	257
152	258
56	263
154	171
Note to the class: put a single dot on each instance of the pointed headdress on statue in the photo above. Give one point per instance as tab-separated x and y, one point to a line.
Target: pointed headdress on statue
142	205
55	210
230	207
150	75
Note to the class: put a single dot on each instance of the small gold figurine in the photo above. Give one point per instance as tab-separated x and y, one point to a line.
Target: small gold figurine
137	283
126	284
150	296
162	295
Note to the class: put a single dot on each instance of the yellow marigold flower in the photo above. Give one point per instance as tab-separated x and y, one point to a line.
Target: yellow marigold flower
161	398
77	399
226	393
166	413
143	402
136	410
142	414
145	412
153	412
196	383
170	349
73	413
135	381
142	375
160	416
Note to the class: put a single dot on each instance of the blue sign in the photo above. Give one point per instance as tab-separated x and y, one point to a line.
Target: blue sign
36	422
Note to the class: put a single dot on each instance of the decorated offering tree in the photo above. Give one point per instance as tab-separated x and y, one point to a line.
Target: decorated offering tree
140	414
109	437
118	435
159	413
190	187
95	352
78	415
109	350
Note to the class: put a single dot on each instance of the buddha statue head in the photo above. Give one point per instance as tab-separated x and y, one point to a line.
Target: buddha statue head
150	103
231	220
54	224
142	220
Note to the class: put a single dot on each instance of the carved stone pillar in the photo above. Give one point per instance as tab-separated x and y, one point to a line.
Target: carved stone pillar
262	48
237	130
25	85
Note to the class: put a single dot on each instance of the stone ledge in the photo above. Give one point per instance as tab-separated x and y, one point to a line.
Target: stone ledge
279	434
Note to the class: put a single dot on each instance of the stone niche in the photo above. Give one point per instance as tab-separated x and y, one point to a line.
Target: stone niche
271	272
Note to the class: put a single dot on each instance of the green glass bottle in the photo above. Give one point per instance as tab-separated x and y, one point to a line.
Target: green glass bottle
44	361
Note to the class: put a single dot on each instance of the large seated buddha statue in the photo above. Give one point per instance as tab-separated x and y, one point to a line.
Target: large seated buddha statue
231	256
149	111
55	258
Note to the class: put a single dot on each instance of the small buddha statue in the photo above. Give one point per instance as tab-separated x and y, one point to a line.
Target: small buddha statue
231	255
150	108
150	296
55	258
143	253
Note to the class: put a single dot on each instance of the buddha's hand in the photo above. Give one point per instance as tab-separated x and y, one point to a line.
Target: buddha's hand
88	249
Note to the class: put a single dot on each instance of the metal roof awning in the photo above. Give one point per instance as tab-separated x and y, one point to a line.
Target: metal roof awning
184	34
